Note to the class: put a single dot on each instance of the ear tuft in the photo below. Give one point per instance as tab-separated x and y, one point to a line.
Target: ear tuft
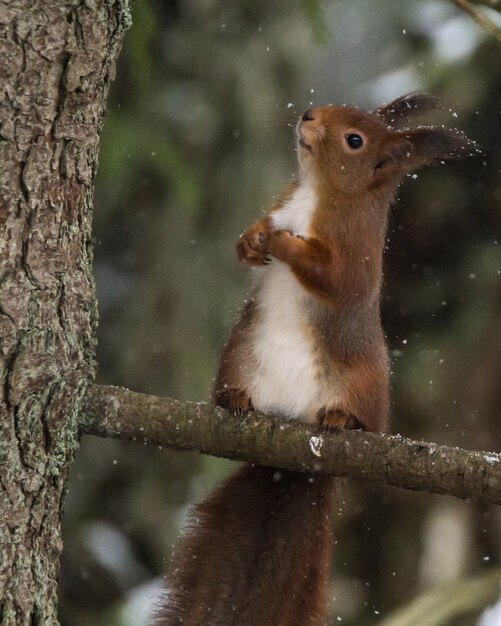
397	112
407	150
440	144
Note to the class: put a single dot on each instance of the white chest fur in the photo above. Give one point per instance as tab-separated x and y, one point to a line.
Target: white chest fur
296	214
283	382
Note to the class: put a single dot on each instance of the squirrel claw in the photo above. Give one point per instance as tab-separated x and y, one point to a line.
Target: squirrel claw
251	247
233	399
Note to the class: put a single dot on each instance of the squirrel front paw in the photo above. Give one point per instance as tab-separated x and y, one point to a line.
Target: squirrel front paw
336	419
282	243
252	247
235	400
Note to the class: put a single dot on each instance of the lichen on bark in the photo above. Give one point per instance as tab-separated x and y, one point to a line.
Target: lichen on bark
291	444
57	60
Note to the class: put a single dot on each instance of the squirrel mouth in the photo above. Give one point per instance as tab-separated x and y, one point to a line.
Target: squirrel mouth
305	145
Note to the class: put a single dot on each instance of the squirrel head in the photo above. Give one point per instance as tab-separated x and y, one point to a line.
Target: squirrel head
356	151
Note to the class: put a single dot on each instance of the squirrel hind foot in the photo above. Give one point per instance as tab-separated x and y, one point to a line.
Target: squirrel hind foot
336	419
233	399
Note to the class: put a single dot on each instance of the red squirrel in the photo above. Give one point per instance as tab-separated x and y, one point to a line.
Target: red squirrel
308	345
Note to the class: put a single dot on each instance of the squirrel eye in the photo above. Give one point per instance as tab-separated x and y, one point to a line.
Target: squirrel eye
354	140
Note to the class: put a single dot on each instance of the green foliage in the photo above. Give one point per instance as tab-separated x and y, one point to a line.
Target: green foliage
316	19
138	49
439	607
131	145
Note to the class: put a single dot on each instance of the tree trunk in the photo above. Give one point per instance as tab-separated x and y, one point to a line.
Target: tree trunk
57	60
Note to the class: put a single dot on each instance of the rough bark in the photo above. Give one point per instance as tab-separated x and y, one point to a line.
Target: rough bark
57	60
123	414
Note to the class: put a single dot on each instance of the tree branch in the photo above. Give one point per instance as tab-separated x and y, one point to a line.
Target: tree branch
257	438
492	4
480	17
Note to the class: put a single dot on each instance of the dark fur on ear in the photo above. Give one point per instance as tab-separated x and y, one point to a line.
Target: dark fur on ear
436	143
397	112
408	150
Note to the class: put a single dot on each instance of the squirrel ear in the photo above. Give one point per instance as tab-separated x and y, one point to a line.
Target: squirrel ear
434	143
405	151
395	154
409	105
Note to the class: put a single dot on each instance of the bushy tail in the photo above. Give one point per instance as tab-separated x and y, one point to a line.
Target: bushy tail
256	553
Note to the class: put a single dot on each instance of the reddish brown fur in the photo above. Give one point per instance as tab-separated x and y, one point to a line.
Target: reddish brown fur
340	262
252	246
258	554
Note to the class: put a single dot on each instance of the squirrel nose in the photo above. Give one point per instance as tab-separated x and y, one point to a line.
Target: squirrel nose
308	116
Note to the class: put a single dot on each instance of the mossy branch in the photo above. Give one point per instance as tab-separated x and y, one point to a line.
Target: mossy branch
122	414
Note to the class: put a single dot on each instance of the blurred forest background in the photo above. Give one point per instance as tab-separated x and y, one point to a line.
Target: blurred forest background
197	142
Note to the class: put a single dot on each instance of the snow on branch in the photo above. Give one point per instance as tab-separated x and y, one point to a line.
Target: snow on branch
256	438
